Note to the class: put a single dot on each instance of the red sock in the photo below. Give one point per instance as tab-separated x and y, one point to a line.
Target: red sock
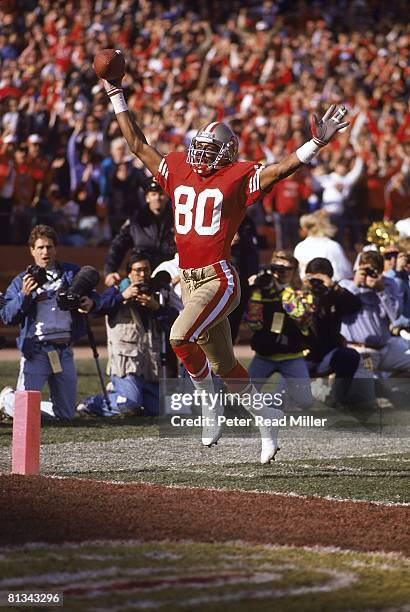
237	380
194	359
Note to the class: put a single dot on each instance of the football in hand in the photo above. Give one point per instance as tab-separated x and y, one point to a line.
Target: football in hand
109	64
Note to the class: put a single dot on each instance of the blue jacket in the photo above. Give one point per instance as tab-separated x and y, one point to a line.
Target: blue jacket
21	309
370	325
111	300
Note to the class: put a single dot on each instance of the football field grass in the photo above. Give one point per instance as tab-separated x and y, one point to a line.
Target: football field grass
348	461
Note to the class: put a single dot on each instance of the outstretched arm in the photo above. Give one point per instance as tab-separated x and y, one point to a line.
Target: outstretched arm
322	132
132	133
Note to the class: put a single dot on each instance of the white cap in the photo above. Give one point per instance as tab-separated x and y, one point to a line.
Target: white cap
34	138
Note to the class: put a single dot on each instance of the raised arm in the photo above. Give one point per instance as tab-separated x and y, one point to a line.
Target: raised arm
322	132
132	133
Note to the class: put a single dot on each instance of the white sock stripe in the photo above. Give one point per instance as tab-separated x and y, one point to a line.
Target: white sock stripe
222	302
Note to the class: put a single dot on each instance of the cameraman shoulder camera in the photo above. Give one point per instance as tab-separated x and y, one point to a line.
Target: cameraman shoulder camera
47	328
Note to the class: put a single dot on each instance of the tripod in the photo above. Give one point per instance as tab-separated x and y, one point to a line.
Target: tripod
93	346
163	357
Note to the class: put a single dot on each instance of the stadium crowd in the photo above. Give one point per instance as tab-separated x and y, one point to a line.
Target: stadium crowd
263	67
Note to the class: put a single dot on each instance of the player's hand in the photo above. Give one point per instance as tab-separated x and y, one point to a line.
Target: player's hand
112	279
324	129
111	86
29	284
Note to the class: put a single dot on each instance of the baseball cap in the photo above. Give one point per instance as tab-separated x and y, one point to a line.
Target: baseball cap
34	139
153	185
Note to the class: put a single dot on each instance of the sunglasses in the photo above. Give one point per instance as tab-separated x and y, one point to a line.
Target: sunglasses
391	255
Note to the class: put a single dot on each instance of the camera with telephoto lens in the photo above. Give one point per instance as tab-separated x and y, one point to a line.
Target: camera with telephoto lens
38	273
317	285
145	287
84	282
265	280
160	282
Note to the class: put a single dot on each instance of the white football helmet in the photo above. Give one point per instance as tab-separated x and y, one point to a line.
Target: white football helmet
214	147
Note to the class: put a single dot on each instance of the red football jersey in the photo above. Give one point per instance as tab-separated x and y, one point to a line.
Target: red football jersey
207	209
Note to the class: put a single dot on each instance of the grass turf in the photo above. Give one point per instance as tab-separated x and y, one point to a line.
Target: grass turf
208	577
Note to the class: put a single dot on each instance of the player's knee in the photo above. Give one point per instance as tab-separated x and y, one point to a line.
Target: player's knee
177	343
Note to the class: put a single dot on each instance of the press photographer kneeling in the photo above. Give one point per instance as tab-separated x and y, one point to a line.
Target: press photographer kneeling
138	320
328	350
279	313
45	301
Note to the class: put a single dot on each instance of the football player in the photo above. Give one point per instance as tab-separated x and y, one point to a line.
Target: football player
210	190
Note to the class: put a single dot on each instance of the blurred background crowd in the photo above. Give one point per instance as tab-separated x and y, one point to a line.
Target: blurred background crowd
263	66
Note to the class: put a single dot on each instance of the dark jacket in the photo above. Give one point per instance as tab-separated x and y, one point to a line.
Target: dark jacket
294	310
146	232
21	309
245	252
330	308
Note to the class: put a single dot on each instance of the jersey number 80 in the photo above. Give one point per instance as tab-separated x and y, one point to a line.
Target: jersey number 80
194	205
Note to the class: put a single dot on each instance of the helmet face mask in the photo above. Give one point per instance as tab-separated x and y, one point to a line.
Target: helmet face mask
215	146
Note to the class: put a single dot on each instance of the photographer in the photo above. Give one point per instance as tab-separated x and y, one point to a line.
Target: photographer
396	268
279	313
47	331
135	319
328	353
368	330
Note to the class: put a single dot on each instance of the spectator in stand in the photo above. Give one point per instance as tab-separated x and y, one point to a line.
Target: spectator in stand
397	197
337	187
318	241
245	65
7	182
150	229
121	185
286	200
23	196
39	166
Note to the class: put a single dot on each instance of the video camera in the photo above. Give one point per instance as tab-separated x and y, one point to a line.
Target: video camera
38	273
84	281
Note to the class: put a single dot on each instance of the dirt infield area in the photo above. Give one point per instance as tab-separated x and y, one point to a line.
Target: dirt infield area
41	509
